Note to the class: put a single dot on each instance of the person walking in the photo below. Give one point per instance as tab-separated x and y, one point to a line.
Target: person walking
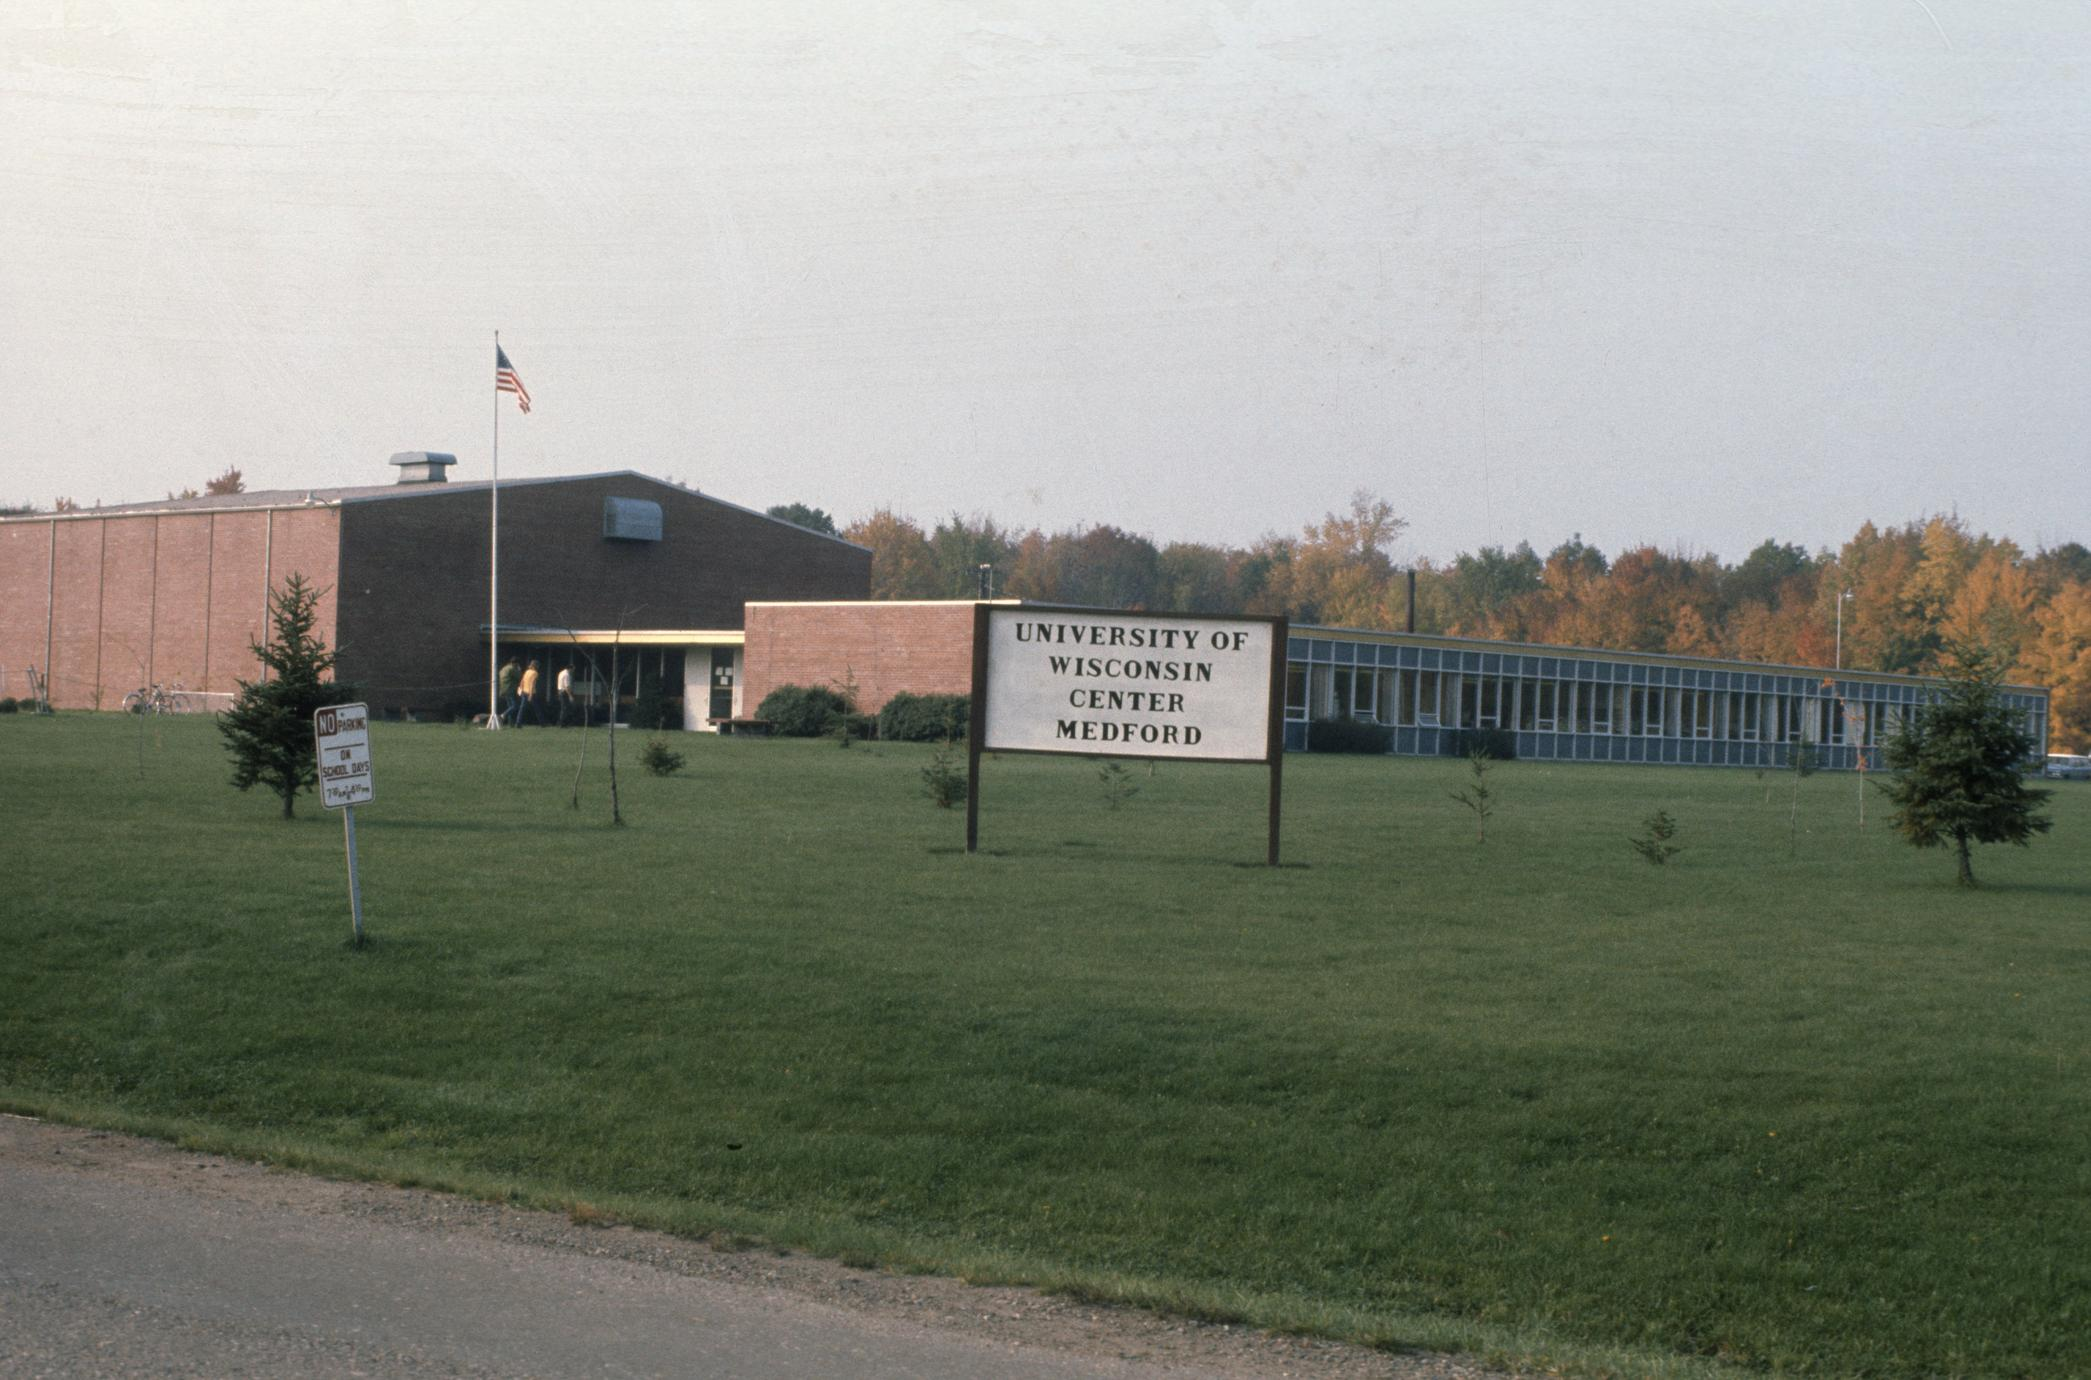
565	686
506	682
526	698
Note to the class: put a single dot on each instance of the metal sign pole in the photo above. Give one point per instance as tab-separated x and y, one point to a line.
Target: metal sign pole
348	824
1280	633
976	728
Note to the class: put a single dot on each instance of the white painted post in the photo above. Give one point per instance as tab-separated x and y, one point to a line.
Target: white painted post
348	824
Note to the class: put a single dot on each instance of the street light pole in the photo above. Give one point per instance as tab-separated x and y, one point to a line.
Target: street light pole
1840	627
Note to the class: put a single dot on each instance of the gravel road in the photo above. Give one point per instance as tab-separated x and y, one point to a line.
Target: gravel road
121	1256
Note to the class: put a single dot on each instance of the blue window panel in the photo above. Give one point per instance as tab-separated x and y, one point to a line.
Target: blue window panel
1673	676
1321	650
1295	649
1387	655
1430	658
1295	737
1347	653
1409	656
1640	675
1491	664
1585	671
1550	667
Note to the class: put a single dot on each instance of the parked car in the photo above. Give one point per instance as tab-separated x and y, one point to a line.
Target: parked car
2061	766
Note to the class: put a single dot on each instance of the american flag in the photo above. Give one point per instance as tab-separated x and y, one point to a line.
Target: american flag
505	380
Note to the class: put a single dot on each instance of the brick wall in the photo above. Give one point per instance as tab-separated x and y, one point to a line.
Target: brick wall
25	569
76	617
182	591
150	597
923	648
127	605
239	545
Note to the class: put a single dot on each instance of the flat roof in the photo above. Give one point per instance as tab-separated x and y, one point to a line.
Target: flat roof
278	500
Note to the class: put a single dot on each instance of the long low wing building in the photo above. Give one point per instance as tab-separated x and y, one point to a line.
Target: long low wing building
1434	695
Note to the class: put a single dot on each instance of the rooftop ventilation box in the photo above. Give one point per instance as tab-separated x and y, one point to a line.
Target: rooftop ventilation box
631	519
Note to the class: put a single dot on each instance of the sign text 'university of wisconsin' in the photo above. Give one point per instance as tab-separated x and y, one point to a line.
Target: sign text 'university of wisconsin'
1128	685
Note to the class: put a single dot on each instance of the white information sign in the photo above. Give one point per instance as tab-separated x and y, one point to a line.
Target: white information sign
342	733
1128	685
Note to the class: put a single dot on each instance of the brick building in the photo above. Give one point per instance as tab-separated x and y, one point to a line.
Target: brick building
106	600
924	647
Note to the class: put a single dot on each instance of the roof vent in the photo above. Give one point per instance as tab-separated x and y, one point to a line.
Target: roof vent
631	519
423	466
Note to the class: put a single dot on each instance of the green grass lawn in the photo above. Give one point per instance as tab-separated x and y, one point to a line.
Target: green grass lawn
1798	1105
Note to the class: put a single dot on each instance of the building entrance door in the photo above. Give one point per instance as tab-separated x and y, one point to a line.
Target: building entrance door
722	683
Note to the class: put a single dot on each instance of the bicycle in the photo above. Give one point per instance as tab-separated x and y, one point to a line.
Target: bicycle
156	699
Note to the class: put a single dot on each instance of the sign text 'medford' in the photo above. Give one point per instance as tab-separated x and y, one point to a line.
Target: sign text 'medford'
1130	685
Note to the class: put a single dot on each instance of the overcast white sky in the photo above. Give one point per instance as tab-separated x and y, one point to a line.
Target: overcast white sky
1649	270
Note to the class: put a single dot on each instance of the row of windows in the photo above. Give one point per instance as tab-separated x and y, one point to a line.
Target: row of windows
1514	666
1438	699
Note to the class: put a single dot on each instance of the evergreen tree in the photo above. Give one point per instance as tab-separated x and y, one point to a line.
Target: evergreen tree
268	730
803	515
1959	767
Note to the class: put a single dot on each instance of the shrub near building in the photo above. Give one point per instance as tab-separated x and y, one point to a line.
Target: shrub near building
908	718
801	711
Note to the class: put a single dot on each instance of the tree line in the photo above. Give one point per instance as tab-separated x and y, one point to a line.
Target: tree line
1907	592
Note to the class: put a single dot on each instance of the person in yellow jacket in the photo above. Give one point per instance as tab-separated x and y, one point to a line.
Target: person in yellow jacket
526	697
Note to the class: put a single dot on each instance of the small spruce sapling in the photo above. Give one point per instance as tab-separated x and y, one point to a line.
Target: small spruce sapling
1117	782
1655	842
659	758
943	780
1478	796
1960	767
843	723
1800	765
268	730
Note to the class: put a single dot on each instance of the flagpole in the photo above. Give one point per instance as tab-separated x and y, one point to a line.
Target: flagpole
493	639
